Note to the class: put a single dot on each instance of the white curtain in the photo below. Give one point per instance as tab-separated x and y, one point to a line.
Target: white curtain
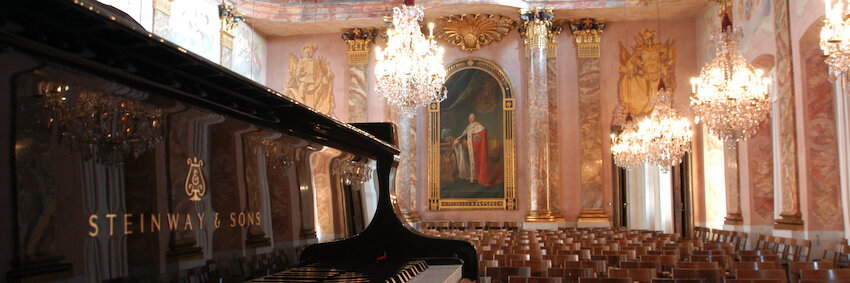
649	199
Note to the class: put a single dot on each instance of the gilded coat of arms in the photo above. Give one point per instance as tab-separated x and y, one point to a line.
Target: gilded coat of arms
195	187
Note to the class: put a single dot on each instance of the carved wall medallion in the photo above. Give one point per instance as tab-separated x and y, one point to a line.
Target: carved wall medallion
471	32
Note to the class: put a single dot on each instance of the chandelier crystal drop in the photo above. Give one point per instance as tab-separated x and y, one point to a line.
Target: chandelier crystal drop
667	136
410	72
102	127
835	36
729	96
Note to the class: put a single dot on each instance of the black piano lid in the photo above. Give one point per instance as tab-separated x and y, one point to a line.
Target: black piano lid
86	36
83	35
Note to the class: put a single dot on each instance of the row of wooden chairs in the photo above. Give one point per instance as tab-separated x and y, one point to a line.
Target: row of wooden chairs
260	265
462	225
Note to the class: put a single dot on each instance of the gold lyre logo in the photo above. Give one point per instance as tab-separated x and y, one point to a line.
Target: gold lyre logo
196	187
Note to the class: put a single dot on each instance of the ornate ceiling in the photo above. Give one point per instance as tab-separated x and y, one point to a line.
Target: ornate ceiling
293	17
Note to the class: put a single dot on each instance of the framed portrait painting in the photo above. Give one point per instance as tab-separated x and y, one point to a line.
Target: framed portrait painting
471	147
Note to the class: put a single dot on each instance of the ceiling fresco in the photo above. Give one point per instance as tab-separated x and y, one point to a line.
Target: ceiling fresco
293	17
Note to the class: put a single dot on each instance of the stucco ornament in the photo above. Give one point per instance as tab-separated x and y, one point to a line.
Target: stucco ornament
642	69
310	80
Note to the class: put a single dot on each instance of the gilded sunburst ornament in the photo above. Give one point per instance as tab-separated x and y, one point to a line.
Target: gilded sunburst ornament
471	32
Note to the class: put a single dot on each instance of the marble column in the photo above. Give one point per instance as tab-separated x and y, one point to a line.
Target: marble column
554	175
359	42
588	36
790	217
842	117
406	174
161	17
535	29
733	188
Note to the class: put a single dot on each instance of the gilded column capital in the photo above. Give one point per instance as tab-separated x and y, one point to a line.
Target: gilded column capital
163	6
554	31
535	27
229	20
588	36
359	42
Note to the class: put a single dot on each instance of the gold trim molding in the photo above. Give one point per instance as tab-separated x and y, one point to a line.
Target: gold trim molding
592	215
471	32
509	202
588	36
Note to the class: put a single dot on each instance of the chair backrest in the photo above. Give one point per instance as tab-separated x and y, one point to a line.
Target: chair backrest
643	275
754	265
763	274
698	265
604	280
570	274
538	266
600	267
500	274
709	275
826	274
754	281
680	280
534	279
641	264
505	259
822	281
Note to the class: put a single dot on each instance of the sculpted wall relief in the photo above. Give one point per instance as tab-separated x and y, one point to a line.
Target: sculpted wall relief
642	69
310	80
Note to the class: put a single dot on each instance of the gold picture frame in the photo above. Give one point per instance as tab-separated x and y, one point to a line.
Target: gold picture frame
508	200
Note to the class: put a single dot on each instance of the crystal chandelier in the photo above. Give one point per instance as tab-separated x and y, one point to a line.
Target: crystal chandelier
278	154
628	147
835	37
410	72
103	127
666	135
729	95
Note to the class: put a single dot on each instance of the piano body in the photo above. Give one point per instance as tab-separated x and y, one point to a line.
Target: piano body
128	159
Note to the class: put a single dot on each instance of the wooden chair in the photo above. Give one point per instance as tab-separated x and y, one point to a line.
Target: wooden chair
534	279
505	260
801	250
761	258
825	274
483	264
754	281
570	274
794	268
698	265
823	281
600	267
753	265
538	266
667	261
674	280
833	248
761	242
709	275
604	280
778	274
501	274
642	275
721	260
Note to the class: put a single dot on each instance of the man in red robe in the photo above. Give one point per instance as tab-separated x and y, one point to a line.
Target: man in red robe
476	141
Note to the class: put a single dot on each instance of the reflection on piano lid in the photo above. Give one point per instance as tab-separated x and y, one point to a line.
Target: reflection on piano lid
82	38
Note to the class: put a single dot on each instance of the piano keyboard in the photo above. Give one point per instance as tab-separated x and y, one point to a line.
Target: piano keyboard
350	271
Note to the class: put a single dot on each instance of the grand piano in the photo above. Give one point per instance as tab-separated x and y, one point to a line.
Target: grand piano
127	158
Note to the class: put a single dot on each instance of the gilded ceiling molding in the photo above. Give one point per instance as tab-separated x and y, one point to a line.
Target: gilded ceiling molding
588	36
471	32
